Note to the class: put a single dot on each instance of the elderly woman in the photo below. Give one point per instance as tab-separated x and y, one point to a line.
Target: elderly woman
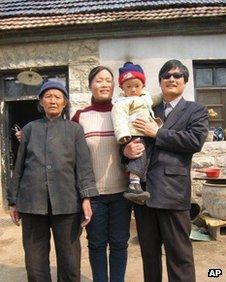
52	183
110	223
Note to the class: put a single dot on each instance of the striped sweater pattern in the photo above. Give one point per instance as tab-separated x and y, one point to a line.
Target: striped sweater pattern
98	128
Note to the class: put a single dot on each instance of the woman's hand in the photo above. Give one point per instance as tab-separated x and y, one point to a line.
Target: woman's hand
147	127
15	216
18	135
134	149
87	210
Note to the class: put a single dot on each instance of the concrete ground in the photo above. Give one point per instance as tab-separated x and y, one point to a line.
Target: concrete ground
207	255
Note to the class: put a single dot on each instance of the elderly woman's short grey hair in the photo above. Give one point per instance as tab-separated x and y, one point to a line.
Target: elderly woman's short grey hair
65	110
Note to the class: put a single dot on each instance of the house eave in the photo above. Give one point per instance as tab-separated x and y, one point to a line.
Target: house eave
124	29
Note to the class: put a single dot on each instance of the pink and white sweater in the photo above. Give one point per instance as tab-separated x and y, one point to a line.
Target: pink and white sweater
104	150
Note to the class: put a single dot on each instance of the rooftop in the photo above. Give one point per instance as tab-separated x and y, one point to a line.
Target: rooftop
15	8
28	15
110	17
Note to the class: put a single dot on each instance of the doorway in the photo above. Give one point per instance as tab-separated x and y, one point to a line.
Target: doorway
18	107
20	113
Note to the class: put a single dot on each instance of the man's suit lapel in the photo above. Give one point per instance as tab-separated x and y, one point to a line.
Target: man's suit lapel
176	114
159	111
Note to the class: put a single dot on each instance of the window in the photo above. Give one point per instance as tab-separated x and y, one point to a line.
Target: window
15	90
210	89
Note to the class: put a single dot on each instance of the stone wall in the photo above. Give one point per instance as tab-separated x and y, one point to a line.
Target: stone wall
212	154
79	56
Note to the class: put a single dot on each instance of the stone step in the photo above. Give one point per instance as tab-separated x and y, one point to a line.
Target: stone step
216	226
218	232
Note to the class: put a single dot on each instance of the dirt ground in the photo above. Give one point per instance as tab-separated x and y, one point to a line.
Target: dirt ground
207	255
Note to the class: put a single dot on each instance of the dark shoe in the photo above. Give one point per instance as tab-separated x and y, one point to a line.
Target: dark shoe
136	194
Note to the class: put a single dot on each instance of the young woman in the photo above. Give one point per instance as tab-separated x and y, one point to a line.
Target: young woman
111	211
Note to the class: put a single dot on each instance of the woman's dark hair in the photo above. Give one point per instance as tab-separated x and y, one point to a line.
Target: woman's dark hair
65	109
173	64
95	71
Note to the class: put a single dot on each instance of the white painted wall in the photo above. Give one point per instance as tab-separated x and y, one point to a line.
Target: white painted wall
152	52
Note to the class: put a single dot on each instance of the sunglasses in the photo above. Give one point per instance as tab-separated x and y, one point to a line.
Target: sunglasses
176	75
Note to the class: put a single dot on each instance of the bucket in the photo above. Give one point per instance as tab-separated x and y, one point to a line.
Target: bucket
214	199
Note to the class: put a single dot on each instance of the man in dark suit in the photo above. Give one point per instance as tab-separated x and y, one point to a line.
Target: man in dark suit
165	219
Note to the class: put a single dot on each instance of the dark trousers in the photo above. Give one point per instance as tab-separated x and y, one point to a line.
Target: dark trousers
36	241
109	227
171	228
139	166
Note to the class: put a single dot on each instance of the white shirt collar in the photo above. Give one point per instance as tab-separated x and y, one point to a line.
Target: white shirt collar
174	102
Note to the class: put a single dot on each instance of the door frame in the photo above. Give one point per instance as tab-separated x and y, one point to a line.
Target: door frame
4	120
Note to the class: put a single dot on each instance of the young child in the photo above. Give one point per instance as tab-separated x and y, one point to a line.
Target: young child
132	104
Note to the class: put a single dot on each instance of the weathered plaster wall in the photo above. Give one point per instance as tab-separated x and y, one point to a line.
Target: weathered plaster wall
151	68
152	52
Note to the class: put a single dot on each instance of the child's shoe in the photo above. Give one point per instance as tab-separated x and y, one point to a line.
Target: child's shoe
136	194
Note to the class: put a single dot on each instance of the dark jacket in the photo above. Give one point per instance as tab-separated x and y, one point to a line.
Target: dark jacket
53	162
183	134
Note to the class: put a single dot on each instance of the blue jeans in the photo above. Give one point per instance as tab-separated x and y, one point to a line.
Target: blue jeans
109	226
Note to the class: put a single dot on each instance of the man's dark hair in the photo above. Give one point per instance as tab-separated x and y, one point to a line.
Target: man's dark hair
173	64
95	71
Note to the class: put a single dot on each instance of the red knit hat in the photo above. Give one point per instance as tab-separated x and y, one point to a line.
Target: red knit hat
129	71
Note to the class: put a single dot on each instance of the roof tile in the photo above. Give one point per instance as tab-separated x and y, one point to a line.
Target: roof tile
12	8
25	22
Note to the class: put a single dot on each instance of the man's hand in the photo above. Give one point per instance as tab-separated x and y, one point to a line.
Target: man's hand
87	210
134	149
15	216
147	127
